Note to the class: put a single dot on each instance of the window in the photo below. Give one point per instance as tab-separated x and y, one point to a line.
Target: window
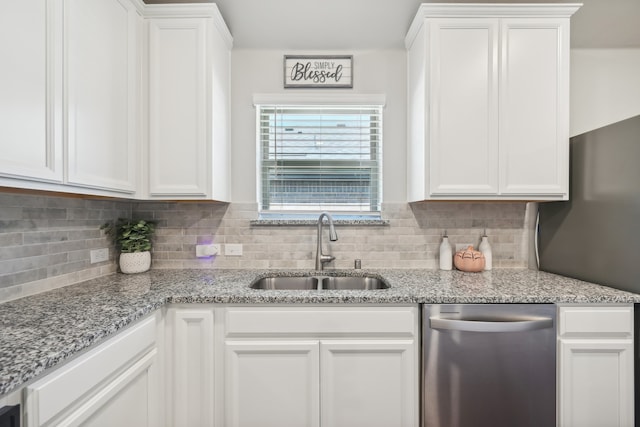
317	158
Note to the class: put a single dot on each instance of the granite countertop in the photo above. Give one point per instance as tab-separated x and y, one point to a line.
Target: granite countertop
41	331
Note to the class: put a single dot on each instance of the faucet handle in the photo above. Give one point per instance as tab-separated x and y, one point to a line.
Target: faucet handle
326	258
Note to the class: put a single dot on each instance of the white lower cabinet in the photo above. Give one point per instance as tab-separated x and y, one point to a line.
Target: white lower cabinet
321	366
595	375
117	383
305	365
190	361
272	383
368	383
355	382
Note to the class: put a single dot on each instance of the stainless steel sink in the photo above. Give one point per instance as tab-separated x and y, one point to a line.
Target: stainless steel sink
325	282
353	283
286	283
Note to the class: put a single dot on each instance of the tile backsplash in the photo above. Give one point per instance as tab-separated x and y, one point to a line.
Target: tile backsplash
45	240
410	241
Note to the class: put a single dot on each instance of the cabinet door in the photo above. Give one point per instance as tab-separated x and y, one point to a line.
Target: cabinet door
369	383
177	101
101	67
596	383
129	400
534	110
31	90
116	383
463	115
193	368
272	384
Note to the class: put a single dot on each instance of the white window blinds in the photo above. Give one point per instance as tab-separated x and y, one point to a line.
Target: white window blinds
316	158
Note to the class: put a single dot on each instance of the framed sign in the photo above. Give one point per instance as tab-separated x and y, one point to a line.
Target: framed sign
318	71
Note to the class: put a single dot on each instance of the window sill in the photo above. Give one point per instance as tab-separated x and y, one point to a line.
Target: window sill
353	220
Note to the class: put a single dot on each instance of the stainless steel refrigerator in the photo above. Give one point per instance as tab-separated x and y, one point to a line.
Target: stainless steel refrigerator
595	236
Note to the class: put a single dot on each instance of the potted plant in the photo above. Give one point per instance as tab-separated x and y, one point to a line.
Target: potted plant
132	237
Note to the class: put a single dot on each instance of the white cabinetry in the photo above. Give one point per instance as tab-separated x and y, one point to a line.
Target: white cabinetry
190	362
187	102
115	98
272	383
367	382
31	91
102	81
488	99
117	383
321	366
596	377
72	81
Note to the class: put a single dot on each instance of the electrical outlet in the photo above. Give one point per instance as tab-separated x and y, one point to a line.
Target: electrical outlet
206	251
233	249
463	246
99	255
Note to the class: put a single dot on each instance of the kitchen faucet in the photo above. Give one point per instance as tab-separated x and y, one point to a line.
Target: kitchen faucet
321	258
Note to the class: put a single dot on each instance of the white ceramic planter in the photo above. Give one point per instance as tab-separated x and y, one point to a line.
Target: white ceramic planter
135	262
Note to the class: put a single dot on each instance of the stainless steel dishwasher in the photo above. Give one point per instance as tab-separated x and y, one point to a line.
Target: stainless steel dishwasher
490	365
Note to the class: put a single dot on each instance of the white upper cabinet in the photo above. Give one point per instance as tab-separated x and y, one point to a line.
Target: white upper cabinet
115	98
534	106
31	91
463	87
187	102
102	68
488	95
69	95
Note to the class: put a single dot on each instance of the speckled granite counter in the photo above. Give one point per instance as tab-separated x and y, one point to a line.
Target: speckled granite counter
41	331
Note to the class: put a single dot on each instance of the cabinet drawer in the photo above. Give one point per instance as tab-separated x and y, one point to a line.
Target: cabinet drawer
354	321
596	321
52	394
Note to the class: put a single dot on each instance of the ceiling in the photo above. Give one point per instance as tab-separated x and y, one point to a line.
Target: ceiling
382	24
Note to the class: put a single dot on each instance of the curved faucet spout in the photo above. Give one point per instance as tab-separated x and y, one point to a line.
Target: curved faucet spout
321	258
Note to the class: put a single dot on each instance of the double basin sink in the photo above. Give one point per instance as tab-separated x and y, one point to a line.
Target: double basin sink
319	282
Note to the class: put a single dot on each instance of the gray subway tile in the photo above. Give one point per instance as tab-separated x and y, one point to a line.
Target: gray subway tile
46	236
22	251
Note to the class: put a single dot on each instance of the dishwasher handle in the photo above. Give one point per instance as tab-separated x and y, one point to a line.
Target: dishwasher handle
499	325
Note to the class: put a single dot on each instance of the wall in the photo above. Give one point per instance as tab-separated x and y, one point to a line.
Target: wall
45	241
261	72
605	87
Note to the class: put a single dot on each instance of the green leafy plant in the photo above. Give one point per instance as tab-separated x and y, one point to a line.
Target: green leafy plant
130	235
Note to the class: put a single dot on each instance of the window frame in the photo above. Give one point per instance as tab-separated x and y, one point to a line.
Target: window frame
376	102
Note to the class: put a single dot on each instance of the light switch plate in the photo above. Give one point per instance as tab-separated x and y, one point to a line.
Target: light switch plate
233	249
206	251
99	255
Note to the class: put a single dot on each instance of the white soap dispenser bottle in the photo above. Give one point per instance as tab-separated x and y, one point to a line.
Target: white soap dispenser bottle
485	248
446	254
